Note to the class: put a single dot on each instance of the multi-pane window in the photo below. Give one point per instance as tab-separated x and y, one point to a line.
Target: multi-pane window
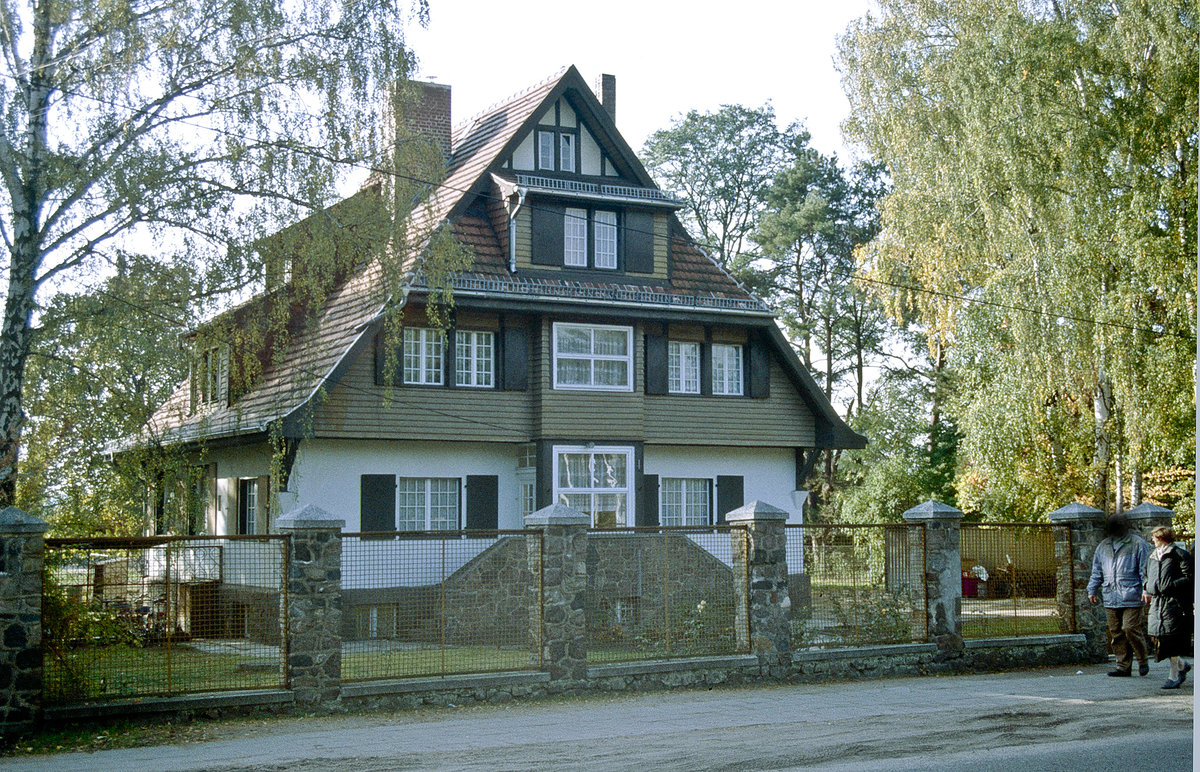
247	506
474	359
605	227
427	503
575	227
546	150
685	501
597	481
683	367
423	356
593	357
726	369
209	376
566	152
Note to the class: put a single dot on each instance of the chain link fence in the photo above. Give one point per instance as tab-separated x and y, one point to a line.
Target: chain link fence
1009	580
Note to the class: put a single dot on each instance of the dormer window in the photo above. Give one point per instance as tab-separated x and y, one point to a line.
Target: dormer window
210	377
590	238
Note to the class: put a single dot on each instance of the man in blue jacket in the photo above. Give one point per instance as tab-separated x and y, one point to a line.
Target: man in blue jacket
1118	570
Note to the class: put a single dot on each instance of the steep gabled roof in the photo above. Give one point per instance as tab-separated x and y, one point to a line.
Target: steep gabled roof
317	353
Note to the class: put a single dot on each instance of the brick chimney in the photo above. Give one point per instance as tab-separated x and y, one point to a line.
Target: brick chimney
606	92
425	110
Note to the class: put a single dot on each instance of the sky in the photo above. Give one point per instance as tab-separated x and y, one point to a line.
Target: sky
668	56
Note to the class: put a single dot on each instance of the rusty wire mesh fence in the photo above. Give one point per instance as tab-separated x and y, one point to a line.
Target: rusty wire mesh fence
161	616
1009	580
663	592
439	603
855	585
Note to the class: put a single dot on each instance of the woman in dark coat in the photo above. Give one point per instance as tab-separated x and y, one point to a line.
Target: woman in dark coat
1168	590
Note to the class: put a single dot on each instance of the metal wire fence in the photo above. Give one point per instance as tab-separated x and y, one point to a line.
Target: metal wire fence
663	592
1009	581
439	603
161	616
855	585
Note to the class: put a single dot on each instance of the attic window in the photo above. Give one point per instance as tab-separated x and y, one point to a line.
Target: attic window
210	376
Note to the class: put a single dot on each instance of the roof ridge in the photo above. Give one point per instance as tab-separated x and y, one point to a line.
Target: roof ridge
466	123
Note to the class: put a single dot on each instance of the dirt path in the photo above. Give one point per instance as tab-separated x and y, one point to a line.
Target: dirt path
776	728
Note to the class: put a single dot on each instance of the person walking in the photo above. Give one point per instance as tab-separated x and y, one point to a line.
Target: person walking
1118	572
1168	590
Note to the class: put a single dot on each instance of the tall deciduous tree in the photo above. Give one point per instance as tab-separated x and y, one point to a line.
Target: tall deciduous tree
194	127
721	164
1044	208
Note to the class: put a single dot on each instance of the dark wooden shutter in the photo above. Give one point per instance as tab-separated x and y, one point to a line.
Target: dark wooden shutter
377	502
515	345
547	226
639	242
483	502
648	512
758	369
262	518
730	492
706	368
657	380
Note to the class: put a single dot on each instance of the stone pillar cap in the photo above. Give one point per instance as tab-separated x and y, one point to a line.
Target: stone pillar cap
308	517
1146	510
557	514
13	520
755	510
1075	512
933	510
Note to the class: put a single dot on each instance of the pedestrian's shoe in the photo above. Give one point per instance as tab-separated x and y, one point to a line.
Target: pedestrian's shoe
1183	673
1119	673
1173	683
1143	668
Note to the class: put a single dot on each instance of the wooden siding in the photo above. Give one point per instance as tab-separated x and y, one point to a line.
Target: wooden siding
781	419
662	243
524	239
566	413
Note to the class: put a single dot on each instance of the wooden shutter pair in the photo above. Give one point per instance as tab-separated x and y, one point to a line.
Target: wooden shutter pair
757	367
377	502
730	492
635	238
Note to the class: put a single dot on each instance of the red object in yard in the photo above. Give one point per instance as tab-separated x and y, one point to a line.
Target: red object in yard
970	587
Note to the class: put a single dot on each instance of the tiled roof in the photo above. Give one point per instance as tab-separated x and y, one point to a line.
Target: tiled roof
314	353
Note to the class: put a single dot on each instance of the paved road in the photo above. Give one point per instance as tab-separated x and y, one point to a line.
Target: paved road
1060	719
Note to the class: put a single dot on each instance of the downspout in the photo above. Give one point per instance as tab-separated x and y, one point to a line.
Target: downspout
512	229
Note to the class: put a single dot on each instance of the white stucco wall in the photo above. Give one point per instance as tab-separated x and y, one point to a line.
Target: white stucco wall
769	474
327	472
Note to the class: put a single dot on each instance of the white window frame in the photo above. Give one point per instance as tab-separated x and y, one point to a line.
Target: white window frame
604	228
545	145
210	376
727	369
247	500
592	358
575	237
426	492
685	501
566	151
561	493
425	350
683	374
474	359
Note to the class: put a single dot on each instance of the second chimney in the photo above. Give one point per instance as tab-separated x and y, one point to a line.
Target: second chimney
424	109
606	91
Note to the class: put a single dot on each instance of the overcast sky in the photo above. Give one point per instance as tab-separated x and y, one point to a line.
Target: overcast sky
668	57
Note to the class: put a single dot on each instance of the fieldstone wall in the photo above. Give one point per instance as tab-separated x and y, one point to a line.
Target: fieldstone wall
562	613
763	605
943	575
314	613
22	556
1078	530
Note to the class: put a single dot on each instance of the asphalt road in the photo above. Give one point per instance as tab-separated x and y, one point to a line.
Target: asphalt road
1054	719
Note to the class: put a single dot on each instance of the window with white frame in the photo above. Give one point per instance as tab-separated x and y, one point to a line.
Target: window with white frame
593	357
605	228
683	367
575	241
596	480
474	359
210	376
546	150
566	152
247	506
685	501
423	356
427	503
726	369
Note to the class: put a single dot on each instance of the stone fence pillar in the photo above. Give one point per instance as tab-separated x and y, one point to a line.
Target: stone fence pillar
1078	530
763	606
22	556
314	604
559	560
943	575
1145	517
